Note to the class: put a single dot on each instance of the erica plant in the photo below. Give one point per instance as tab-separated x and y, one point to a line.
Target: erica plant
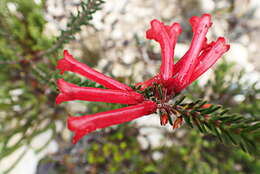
153	95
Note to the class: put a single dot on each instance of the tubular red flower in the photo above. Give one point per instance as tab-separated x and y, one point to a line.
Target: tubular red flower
183	69
68	63
88	123
208	58
200	28
167	37
71	92
181	62
173	78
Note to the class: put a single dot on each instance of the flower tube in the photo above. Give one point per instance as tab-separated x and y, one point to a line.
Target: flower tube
218	49
207	59
71	92
200	28
83	125
167	37
180	63
68	63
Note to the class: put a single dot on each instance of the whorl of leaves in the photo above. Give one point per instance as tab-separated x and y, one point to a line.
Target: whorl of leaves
213	119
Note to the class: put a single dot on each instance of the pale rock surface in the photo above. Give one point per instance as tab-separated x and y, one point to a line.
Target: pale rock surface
28	163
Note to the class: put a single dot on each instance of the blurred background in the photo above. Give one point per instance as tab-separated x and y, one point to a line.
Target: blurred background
33	133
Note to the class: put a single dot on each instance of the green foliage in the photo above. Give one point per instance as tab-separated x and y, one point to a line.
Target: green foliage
27	74
20	119
21	96
21	30
201	155
228	84
119	149
214	119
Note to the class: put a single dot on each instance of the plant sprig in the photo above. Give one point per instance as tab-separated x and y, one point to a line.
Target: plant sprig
235	129
83	17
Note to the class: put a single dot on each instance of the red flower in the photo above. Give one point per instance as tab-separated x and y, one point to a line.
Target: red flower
85	124
171	79
198	59
71	92
68	63
167	37
117	93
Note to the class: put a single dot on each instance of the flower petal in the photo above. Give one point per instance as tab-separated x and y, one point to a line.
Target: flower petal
70	92
167	37
68	63
83	125
206	60
200	28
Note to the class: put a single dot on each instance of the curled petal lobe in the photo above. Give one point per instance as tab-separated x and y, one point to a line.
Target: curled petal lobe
88	123
194	21
68	63
167	37
173	31
71	92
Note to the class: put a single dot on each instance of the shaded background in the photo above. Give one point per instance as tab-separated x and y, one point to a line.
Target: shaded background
33	133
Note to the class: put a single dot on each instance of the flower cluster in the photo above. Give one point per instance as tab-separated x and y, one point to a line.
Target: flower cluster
147	96
116	93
